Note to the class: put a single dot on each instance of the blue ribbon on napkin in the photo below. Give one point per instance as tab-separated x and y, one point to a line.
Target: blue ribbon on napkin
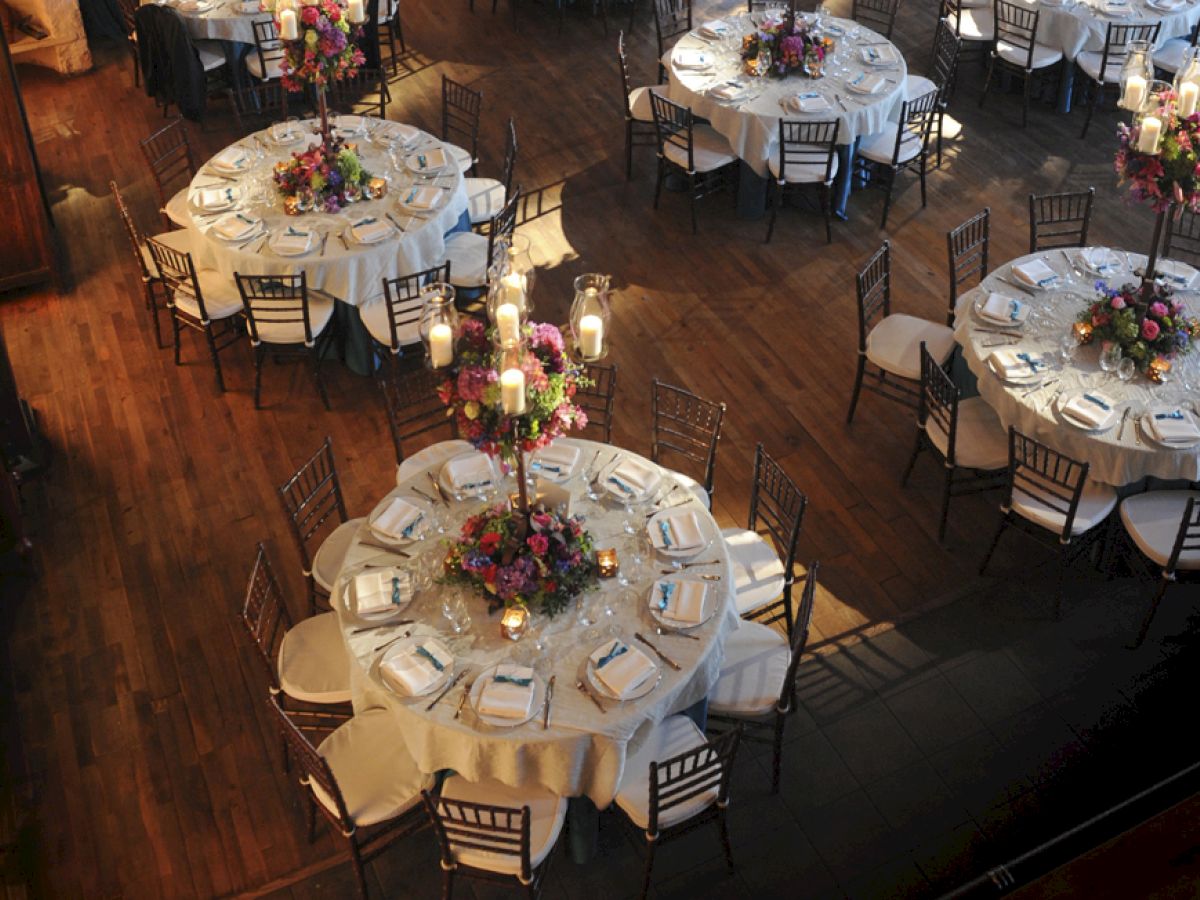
612	654
411	526
421	651
411	194
1096	400
557	470
471	485
248	221
421	160
1178	414
664	528
613	479
1034	364
667	589
368	221
512	679
1014	310
396	591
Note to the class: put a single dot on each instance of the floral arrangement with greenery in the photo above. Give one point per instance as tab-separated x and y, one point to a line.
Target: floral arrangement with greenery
1146	326
324	51
324	178
1170	176
771	50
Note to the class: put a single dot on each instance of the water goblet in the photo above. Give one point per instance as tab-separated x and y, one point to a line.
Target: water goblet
1068	346
1125	369
1110	358
454	609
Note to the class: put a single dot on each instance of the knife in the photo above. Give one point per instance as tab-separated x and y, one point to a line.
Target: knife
438	487
422	494
457	678
1124	417
546	705
670	662
587	690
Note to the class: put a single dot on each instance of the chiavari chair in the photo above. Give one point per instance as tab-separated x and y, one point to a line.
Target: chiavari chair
414	411
639	117
492	832
965	436
471	254
757	683
1017	51
943	77
203	301
696	152
1182	239
672	20
265	61
598	400
370	798
1103	68
461	107
763	554
677	782
805	157
316	514
967	248
878	15
391	319
363	93
889	344
255	106
486	196
1060	220
972	21
900	147
286	320
1169	56
391	31
168	153
1165	528
686	430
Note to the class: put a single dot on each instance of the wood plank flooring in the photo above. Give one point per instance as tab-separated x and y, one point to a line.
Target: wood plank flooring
137	757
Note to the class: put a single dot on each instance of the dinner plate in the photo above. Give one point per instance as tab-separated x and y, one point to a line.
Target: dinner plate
1108	422
448	486
535	708
679	554
231	195
996	323
350	601
275	238
395	133
419	533
240	168
710	608
383	235
403	646
430	156
257	228
614	490
402	198
639	692
1148	432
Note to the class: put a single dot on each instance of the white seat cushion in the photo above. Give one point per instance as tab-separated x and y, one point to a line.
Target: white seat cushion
1153	519
980	441
547	812
374	315
320	311
894	344
753	671
377	777
467	253
807	172
1095	503
669	738
221	296
758	575
710	151
880	147
177	209
211	53
1089	61
180	241
485	198
255	67
313	663
917	86
1042	55
332	553
427	457
1170	55
639	103
462	158
976	24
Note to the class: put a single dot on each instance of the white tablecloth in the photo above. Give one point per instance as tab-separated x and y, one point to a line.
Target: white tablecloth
752	125
1113	461
1075	27
223	21
582	753
349	271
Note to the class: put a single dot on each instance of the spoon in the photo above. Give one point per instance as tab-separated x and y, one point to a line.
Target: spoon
671	632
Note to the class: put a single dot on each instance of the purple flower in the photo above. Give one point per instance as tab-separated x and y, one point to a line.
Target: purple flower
1158	310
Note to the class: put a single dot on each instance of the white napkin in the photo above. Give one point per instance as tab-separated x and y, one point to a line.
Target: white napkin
428	160
727	90
506	700
398	520
373	590
231	228
370	230
1035	273
879	56
1177	273
410	671
1172	425
422	197
293	240
714	28
557	460
232	159
1115	7
1099	259
1010	363
624	673
397	131
680	601
1167	5
807	102
215	198
351	124
866	83
676	531
469	472
1002	309
635	474
1091	409
692	58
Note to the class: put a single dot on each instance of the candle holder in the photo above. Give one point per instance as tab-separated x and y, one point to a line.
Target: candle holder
1187	83
376	188
291	206
607	563
514	623
1159	370
591	315
438	325
1136	74
1083	332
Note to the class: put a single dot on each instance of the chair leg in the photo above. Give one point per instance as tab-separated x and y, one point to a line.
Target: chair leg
447	884
777	762
692	199
175	337
987	81
912	460
358	869
777	202
1087	120
259	353
941	125
152	305
887	199
827	210
658	183
650	845
995	542
945	504
858	380
216	360
1025	99
315	354
1151	612
922	174
723	824
312	819
628	149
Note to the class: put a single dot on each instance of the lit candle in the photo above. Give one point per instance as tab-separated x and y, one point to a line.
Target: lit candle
1135	92
289	29
1148	138
441	345
591	336
508	322
1189	93
356	11
512	392
514	289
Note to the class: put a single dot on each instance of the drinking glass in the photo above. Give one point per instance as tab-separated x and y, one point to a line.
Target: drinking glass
1068	346
1125	369
1110	358
454	609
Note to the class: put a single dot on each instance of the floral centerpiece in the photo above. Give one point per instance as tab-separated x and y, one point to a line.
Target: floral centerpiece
543	562
322	179
1147	327
780	48
1158	158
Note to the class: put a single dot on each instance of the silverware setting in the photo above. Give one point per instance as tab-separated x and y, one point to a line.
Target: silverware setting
584	689
674	632
546	704
389	643
422	494
399	624
1043	384
670	662
1124	419
462	701
437	486
444	691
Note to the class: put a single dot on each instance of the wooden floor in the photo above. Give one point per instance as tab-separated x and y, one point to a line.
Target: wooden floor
137	759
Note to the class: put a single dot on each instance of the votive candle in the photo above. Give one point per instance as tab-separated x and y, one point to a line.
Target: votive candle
1189	93
512	392
355	12
289	29
508	322
1149	136
1135	92
441	345
514	289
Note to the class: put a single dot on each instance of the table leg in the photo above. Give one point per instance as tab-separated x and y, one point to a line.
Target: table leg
583	829
751	193
843	183
1065	85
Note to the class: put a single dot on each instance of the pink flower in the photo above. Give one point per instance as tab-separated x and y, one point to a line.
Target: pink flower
309	15
1118	302
1158	309
538	543
1149	329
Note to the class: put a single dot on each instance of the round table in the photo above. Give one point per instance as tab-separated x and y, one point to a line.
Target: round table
1115	458
1075	27
222	20
583	752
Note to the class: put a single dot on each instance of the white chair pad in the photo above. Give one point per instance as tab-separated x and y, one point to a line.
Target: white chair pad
1153	519
313	663
211	53
320	311
377	777
180	241
980	441
976	24
485	198
1089	61
639	103
254	67
221	296
467	253
547	812
803	173
332	553
427	457
1042	55
975	4
894	344
1095	503
374	316
710	150
1170	55
177	209
758	576
917	86
669	738
753	671
880	147
462	158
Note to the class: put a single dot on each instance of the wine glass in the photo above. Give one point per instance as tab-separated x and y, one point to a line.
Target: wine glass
1110	358
454	610
1125	369
1068	346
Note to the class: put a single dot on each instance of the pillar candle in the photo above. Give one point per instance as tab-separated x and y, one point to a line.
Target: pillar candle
508	322
1148	138
441	345
1189	93
514	289
288	28
512	392
356	11
1135	92
591	336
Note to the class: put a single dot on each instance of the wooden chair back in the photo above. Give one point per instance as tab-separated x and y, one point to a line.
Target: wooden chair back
943	64
1182	240
178	274
275	300
1017	24
363	93
623	65
258	105
680	779
777	506
686	426
1060	220
267	44
168	153
312	501
917	118
1047	476
1116	45
673	124
265	614
510	156
967	248
315	774
799	639
503	224
131	231
599	400
497	830
412	405
807	144
873	286
402	296
672	20
461	107
878	15
1187	540
937	405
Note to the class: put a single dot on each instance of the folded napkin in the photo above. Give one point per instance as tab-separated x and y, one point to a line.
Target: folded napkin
1175	272
680	601
1011	363
507	693
879	56
807	102
714	28
1100	260
727	90
1116	7
370	230
215	198
351	124
1091	409
469	472
621	668
397	131
1172	426
676	531
231	159
1167	5
866	83
398	521
377	590
691	58
1003	310
422	197
1035	272
558	460
634	478
417	666
237	226
428	160
293	240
